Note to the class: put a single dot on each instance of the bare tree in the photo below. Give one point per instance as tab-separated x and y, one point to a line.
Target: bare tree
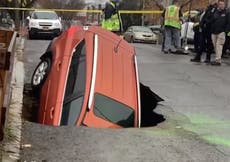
62	4
131	19
16	14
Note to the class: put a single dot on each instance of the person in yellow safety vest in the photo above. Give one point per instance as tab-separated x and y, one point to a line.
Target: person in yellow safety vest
111	18
172	26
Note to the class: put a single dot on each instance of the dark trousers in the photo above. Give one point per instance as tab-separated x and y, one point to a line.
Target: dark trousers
208	44
203	43
199	43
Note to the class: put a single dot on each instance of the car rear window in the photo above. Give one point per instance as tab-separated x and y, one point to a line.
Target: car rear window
113	111
75	87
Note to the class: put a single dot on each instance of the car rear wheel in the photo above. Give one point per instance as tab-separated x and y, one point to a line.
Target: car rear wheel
40	74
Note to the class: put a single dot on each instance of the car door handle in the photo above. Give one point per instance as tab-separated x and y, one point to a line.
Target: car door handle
59	66
51	112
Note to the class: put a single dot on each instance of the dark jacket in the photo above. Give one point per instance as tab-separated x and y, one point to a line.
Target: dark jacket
206	20
219	21
228	20
109	10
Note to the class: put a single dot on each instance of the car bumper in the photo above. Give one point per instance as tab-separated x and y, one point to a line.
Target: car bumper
145	40
35	31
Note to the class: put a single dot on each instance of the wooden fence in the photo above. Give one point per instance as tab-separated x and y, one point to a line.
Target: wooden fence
7	46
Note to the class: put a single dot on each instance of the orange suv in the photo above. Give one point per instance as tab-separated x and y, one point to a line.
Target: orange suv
88	77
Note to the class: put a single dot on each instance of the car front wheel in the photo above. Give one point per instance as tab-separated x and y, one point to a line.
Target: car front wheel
40	74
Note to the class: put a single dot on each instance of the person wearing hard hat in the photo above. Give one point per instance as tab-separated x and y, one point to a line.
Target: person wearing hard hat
172	25
112	20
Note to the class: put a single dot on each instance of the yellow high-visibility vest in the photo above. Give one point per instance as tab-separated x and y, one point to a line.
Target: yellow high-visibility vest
112	24
172	17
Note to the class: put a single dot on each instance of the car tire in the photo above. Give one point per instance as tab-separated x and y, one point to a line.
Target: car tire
40	74
31	36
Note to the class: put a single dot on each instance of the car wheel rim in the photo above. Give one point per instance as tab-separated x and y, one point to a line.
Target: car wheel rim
40	73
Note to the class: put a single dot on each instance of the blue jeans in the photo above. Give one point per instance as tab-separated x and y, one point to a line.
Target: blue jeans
172	38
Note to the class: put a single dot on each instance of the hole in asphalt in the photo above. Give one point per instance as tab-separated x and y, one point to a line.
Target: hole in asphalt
149	101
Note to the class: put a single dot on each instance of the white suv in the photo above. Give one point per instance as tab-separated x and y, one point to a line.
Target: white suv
44	23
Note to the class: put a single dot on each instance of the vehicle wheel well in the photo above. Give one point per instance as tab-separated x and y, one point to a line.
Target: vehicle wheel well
47	54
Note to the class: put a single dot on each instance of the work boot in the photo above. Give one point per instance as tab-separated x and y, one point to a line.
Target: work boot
216	63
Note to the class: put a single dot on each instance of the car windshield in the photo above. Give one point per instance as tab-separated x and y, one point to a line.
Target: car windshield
141	29
75	87
45	15
113	111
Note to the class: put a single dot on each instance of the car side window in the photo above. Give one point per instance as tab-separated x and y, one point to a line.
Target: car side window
75	87
113	111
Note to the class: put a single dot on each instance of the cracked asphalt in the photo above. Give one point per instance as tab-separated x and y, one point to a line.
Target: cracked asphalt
196	108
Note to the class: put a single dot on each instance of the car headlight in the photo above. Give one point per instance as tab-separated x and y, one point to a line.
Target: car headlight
137	35
57	25
33	23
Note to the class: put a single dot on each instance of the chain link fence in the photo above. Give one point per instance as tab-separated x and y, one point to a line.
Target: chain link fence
6	21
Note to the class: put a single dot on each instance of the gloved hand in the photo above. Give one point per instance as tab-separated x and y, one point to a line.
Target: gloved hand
228	34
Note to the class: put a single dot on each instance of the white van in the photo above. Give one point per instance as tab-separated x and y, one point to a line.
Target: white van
44	23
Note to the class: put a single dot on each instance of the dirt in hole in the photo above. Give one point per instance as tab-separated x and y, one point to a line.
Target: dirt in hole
30	104
149	101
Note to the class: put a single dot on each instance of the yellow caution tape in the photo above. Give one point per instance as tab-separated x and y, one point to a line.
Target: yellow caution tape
141	11
85	11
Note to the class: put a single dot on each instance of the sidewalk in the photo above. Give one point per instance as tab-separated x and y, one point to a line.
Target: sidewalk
12	137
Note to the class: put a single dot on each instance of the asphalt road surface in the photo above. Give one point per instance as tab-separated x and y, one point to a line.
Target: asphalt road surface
196	108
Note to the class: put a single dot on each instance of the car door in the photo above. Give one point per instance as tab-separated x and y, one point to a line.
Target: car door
54	88
75	87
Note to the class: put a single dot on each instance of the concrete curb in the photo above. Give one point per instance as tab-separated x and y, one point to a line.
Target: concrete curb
13	126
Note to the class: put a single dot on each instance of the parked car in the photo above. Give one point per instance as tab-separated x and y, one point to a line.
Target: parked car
187	31
156	29
140	34
88	77
44	23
